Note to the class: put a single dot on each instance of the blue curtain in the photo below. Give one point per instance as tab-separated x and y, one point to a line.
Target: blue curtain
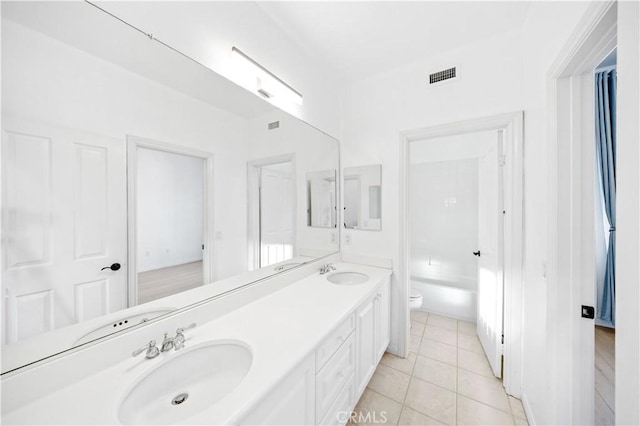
606	157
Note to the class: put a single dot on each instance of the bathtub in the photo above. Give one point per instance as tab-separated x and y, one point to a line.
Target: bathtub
452	299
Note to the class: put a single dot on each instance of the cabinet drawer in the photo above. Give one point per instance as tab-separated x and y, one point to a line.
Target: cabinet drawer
334	340
339	412
334	375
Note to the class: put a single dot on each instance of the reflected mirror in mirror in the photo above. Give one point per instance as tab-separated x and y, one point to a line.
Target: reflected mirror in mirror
126	168
362	197
321	199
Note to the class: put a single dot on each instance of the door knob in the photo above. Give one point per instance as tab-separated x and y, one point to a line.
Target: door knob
476	253
113	267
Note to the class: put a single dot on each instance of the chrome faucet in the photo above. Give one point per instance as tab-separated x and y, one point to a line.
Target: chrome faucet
167	343
151	348
178	341
325	269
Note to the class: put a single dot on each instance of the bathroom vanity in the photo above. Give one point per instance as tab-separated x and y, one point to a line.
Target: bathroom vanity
312	347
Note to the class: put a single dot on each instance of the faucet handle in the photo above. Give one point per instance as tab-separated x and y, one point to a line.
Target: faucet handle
178	341
152	350
183	329
324	269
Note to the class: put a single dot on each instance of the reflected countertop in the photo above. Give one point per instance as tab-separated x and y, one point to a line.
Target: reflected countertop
282	329
55	341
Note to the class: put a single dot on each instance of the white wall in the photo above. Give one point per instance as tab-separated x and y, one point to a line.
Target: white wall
454	147
546	31
54	83
628	217
444	222
207	31
170	209
444	207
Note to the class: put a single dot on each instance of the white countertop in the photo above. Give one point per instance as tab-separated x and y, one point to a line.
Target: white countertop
282	329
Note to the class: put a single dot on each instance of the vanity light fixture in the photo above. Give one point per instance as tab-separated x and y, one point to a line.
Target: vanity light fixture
257	78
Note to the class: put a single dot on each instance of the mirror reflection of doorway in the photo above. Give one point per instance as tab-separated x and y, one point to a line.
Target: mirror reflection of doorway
277	213
271	211
170	190
352	192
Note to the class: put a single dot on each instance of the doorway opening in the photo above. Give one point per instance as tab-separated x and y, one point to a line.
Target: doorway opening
456	218
470	161
168	220
272	215
605	76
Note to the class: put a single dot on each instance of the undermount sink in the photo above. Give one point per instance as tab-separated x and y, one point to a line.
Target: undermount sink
348	278
188	382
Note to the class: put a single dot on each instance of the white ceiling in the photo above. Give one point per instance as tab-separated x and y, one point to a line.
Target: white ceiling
360	39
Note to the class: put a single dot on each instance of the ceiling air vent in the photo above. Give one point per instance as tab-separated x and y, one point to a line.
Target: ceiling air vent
274	125
443	75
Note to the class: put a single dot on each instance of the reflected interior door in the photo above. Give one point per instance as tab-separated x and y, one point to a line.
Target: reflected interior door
63	221
490	276
352	201
322	193
277	214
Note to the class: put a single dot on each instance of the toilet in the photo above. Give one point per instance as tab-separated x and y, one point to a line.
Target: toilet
415	300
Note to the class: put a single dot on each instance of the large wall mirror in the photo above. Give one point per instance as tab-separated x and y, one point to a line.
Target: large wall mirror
137	182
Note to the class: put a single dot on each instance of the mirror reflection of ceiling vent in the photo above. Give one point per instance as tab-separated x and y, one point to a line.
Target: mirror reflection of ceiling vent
443	75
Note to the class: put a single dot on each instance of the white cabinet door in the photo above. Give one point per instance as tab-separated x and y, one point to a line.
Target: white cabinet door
292	402
366	344
383	331
335	376
64	218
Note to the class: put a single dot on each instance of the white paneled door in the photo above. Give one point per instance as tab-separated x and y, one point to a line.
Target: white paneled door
63	221
490	263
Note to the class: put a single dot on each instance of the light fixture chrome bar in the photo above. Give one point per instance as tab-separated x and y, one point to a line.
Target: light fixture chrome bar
248	58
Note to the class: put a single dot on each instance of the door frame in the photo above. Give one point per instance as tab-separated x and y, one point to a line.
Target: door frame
253	204
208	255
513	125
571	275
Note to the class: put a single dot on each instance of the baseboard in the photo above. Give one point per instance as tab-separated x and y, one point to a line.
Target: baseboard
527	409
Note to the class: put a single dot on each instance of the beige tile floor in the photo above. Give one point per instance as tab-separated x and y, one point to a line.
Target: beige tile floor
445	380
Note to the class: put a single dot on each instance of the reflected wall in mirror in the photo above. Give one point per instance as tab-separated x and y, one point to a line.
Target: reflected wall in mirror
126	168
362	197
321	199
